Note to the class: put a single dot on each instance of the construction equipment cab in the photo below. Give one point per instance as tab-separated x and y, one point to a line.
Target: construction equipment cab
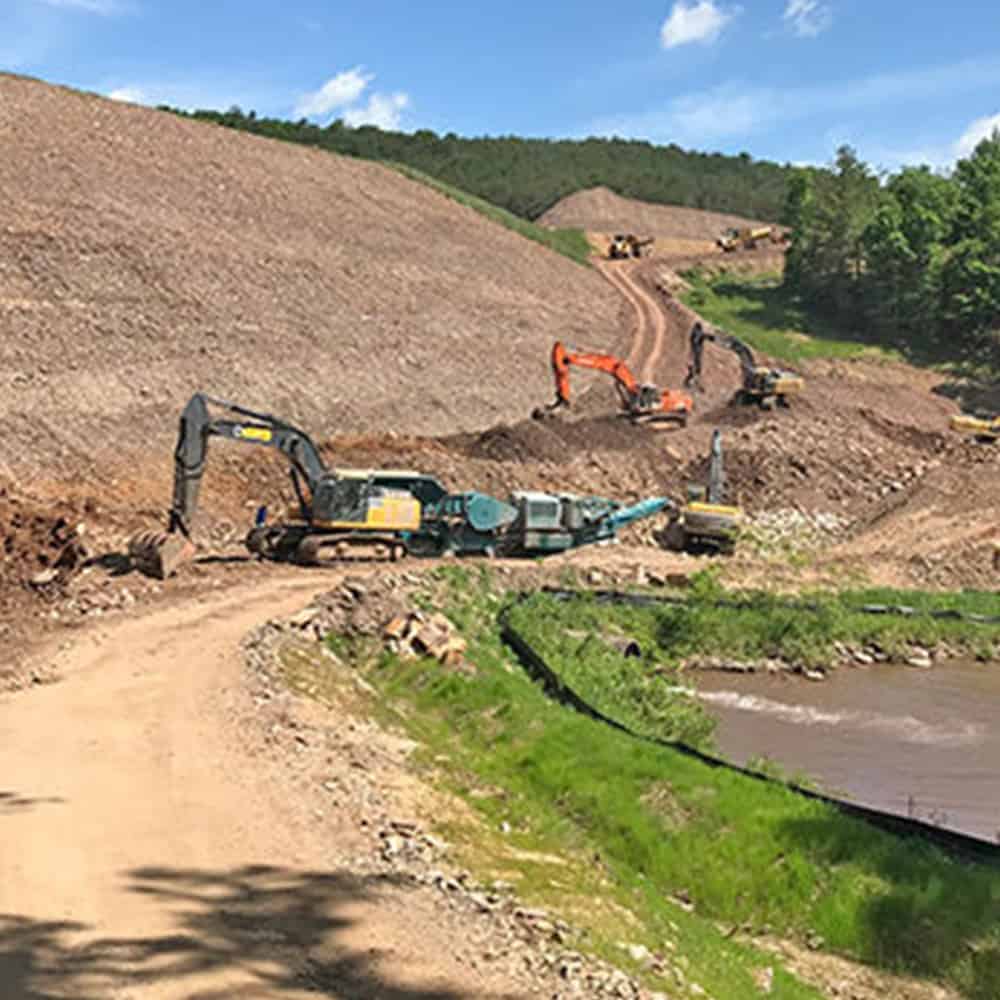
760	384
341	511
641	403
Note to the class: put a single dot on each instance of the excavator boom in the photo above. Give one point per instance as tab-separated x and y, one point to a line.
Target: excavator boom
159	554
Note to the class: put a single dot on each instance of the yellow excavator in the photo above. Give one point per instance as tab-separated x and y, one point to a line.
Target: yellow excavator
985	430
625	245
760	384
706	522
342	512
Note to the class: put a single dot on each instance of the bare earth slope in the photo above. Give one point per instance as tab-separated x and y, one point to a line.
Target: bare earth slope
143	256
601	210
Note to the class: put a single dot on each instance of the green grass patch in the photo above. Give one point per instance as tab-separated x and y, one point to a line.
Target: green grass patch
758	310
578	635
570	243
636	825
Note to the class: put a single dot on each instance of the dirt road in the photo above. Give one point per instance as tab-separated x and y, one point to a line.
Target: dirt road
649	326
162	835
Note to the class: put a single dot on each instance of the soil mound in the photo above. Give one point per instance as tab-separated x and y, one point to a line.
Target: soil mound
144	257
600	210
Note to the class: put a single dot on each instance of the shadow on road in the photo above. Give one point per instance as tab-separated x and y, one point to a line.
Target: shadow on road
258	931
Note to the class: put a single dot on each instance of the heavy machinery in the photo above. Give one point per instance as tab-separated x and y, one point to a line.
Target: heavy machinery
761	385
341	511
624	245
385	513
641	403
747	237
706	521
985	430
530	523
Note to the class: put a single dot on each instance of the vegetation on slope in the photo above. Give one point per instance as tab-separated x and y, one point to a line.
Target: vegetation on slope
570	243
766	314
683	849
913	258
528	176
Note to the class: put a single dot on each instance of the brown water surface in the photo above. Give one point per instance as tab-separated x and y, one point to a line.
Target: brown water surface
924	743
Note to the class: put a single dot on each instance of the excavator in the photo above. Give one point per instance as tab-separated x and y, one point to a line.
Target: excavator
627	245
761	385
341	511
706	521
641	403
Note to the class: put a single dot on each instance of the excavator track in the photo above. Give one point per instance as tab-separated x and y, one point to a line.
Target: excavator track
323	550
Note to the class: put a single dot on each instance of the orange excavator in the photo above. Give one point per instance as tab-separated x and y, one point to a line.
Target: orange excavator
641	402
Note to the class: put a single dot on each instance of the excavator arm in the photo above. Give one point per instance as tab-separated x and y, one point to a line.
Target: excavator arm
698	337
197	426
562	360
158	553
638	400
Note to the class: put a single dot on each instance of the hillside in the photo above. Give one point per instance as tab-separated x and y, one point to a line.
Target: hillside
601	210
528	176
144	256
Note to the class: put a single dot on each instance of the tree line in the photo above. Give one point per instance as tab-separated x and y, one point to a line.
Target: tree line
913	258
528	176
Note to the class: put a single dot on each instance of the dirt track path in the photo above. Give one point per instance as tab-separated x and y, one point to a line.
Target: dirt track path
650	327
154	843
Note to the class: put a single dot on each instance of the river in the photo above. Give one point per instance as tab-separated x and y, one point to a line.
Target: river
918	742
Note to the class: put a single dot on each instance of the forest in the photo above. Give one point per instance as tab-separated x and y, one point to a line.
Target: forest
528	176
913	258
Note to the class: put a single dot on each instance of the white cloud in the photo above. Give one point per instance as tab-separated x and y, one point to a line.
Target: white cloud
808	18
981	128
340	95
103	7
339	91
382	110
694	22
734	110
129	95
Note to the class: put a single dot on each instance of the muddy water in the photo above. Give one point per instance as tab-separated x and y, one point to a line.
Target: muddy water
923	743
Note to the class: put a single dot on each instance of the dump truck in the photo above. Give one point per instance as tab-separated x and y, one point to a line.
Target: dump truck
624	245
747	237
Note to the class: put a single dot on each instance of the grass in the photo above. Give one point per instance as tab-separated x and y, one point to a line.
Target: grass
759	311
570	243
607	830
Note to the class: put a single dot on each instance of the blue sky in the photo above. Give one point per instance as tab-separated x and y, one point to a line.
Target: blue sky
788	80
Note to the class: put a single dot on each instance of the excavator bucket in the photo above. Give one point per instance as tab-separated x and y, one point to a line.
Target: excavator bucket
158	553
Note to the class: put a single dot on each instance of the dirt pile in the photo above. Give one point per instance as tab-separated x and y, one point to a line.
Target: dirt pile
601	210
38	547
143	256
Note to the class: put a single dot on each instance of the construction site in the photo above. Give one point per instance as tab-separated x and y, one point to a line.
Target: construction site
150	263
